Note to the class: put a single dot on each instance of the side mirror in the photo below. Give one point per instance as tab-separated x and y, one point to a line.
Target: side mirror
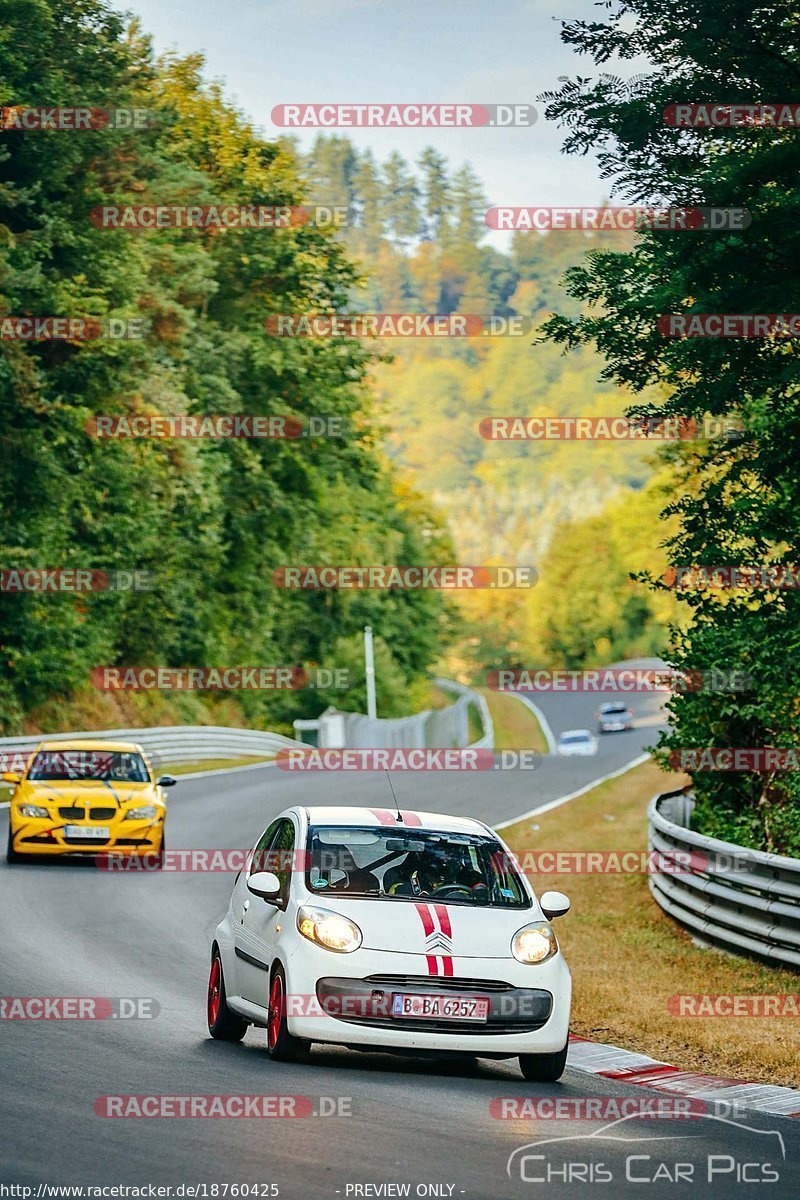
554	904
264	884
11	777
166	781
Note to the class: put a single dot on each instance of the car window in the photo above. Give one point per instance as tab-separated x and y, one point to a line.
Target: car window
282	855
382	863
106	766
260	861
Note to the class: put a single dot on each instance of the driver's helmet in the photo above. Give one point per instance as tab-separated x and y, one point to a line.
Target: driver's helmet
436	869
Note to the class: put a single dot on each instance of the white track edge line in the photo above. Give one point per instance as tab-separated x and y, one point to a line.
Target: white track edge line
635	762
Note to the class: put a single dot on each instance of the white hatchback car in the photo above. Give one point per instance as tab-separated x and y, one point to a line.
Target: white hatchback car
405	932
576	741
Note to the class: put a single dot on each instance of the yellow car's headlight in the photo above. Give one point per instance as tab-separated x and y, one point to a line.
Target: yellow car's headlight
147	812
329	929
32	810
534	943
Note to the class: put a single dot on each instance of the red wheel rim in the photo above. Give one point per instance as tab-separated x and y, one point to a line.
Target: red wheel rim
214	990
275	1011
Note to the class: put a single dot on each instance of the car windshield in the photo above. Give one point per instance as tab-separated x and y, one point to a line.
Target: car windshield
574	739
387	864
614	708
111	766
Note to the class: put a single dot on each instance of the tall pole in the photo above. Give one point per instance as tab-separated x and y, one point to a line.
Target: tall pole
369	660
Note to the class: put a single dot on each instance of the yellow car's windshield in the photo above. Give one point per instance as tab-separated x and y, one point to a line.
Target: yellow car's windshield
113	766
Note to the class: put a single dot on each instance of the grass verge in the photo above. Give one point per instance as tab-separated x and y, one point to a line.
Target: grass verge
515	725
212	764
627	957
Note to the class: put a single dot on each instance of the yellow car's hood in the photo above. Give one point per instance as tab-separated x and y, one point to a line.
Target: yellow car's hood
86	791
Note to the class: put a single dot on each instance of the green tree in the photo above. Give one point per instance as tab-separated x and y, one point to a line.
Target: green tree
210	520
737	499
400	200
436	192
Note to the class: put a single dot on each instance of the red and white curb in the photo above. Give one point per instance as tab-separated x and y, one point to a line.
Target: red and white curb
626	1066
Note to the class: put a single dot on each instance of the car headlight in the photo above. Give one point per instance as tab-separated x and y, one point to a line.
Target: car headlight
147	812
329	929
32	810
534	943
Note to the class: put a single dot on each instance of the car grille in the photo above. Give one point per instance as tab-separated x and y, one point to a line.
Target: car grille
441	983
93	814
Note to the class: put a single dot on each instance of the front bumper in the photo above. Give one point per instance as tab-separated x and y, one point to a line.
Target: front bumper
529	1005
43	835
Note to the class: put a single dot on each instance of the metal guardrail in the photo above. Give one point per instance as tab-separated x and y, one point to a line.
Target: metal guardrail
433	728
747	901
467	696
163	744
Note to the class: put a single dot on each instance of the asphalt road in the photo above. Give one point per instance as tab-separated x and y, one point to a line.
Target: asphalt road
71	930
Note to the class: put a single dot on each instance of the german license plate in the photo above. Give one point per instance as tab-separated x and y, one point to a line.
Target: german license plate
441	1008
100	833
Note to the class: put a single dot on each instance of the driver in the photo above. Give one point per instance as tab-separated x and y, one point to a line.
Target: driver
438	869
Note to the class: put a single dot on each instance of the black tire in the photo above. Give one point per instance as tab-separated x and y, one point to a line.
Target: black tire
282	1046
543	1068
223	1024
11	853
160	851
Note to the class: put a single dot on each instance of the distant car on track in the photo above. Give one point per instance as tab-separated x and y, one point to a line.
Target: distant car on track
408	933
86	797
576	741
614	717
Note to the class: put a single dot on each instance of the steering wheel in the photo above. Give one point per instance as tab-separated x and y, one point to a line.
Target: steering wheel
451	888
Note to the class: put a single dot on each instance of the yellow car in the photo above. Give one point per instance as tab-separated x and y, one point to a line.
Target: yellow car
87	797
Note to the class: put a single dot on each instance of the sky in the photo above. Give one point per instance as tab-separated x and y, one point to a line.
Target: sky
271	52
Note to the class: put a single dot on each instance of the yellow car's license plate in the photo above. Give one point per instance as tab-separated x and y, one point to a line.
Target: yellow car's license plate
100	833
